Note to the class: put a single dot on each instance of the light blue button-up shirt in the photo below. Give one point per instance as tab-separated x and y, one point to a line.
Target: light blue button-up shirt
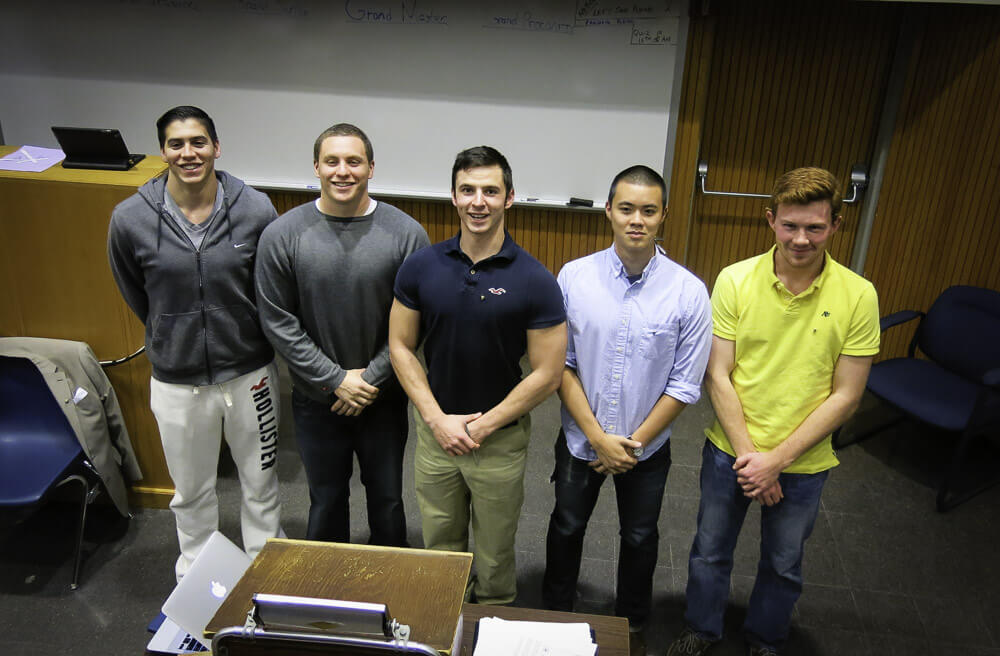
630	343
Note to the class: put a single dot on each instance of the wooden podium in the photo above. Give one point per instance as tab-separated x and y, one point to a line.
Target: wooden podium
55	281
421	588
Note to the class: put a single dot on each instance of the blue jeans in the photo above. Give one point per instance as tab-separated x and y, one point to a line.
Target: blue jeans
328	442
784	528
640	495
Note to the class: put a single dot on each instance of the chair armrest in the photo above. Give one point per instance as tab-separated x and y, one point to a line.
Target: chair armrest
896	318
992	377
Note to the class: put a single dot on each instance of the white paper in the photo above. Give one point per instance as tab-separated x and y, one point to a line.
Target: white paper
498	637
79	395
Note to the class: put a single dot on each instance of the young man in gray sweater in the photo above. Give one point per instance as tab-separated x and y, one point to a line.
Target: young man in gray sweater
325	272
182	251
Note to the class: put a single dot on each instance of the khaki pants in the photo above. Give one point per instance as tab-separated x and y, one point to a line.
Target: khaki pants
485	487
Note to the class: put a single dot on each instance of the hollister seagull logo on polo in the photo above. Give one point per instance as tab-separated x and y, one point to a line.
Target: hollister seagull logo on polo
259	385
826	314
497	290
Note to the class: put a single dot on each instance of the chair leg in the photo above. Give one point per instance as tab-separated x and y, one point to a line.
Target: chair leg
84	498
946	502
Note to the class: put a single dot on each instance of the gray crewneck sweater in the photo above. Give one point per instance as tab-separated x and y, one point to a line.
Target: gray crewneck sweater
324	290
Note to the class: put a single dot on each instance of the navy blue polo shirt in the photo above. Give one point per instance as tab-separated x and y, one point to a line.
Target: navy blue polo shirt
474	318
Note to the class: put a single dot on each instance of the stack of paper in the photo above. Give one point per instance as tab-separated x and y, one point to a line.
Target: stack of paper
499	637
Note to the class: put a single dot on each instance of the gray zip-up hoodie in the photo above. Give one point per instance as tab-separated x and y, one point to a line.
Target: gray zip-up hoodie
198	306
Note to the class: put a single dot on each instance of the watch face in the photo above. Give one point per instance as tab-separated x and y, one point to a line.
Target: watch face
638	451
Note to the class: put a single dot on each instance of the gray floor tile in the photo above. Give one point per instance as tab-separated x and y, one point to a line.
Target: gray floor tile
826	606
678	516
954	620
891	614
826	641
683	480
893	645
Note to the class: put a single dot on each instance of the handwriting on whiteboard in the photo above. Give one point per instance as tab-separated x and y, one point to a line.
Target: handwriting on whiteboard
407	11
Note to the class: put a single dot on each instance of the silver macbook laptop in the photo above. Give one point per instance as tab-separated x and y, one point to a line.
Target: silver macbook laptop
198	596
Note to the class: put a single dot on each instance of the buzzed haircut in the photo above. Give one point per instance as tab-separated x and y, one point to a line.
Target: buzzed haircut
806	185
473	158
344	130
642	176
183	113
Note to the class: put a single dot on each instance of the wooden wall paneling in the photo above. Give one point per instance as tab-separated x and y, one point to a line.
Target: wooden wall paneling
694	89
936	224
784	93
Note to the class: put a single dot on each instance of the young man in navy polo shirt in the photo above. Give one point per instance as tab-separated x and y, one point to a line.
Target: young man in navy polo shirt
478	302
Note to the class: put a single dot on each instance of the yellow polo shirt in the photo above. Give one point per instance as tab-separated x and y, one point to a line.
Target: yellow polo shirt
787	347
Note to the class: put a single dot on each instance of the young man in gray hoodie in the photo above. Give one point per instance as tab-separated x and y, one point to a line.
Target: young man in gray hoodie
182	252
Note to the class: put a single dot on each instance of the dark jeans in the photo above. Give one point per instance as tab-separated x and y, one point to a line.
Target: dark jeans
328	442
784	528
640	494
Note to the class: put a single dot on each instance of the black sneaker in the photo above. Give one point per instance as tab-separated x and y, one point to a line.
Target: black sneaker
758	650
689	643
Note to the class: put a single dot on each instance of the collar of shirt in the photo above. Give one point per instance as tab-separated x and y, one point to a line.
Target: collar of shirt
508	250
372	204
767	262
617	267
178	215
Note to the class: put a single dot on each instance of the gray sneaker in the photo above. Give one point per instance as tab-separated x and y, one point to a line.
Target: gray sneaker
689	643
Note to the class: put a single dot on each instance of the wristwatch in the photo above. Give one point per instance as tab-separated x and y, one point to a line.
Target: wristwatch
637	451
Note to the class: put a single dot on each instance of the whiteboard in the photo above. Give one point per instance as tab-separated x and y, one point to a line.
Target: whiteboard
570	91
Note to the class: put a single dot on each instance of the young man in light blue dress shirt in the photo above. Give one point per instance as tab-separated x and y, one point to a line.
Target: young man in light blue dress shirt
639	338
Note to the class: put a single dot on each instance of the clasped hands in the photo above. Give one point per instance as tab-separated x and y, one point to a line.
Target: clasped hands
757	474
459	434
353	394
614	453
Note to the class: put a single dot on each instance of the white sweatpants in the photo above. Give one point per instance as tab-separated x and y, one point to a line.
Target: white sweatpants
192	420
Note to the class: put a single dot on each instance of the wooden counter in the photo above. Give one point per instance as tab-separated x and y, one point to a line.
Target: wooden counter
55	282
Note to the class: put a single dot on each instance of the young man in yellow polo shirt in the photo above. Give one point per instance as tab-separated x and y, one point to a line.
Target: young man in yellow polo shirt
794	333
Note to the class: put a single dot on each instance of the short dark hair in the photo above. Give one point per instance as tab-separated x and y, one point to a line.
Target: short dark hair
344	130
473	158
642	176
183	113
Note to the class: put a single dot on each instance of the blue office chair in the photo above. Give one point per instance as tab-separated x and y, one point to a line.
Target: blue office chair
39	451
957	388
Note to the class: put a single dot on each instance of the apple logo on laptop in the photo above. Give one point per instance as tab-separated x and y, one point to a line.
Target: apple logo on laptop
218	590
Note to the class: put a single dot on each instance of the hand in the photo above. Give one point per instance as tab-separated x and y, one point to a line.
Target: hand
756	472
477	428
614	454
770	495
452	433
355	393
342	408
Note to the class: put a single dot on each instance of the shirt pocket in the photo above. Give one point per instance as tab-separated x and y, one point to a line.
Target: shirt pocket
657	340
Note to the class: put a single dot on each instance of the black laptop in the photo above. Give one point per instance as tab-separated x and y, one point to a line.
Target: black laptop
94	148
